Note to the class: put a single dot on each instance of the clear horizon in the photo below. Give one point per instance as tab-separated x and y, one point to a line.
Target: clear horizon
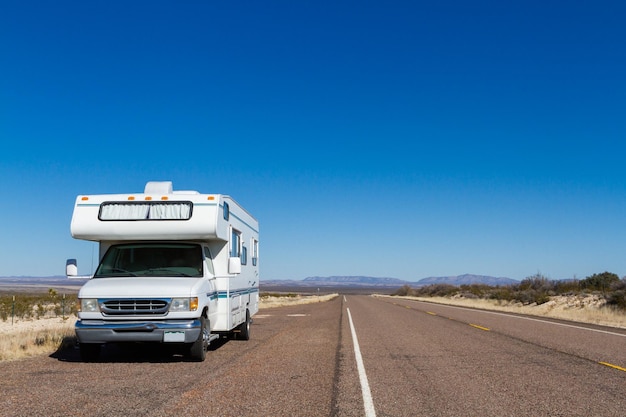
44	277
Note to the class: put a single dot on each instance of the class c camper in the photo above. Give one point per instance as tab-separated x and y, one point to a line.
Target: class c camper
175	267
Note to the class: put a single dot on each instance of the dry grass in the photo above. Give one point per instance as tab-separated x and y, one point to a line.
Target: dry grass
268	301
578	308
26	338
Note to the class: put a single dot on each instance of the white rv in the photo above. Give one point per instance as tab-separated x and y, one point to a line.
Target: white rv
176	267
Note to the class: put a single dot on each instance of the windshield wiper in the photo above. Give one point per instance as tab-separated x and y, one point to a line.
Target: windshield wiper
124	271
169	270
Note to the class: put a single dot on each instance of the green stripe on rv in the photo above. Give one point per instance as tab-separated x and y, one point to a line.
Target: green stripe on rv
226	294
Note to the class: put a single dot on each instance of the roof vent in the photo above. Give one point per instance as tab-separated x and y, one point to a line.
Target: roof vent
158	187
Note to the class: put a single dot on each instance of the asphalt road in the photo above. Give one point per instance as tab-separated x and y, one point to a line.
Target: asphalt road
425	359
413	359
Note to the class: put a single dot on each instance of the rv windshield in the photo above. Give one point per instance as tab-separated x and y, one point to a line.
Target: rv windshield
150	259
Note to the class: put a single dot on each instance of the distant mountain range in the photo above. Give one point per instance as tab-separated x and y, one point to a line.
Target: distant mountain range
376	281
384	282
310	282
467	279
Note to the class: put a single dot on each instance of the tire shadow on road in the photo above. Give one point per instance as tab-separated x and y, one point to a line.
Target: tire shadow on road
69	351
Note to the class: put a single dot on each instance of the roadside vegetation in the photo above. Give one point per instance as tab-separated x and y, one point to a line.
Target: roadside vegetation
599	298
34	306
37	323
536	289
52	335
274	299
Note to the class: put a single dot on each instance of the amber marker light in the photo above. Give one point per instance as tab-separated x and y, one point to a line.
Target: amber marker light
85	198
148	198
210	197
164	197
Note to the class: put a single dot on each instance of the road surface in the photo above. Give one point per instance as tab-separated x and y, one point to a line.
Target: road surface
352	356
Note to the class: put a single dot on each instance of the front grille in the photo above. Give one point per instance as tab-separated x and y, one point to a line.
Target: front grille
134	306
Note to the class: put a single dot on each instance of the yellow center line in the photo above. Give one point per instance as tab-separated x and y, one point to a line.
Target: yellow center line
431	313
610	365
479	327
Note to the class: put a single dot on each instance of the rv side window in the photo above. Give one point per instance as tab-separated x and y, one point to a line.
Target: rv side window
226	211
244	255
235	243
255	251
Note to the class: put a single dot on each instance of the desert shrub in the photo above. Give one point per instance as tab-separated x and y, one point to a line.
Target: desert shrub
540	297
404	291
278	294
619	285
438	290
566	287
536	282
617	299
477	290
501	293
27	306
535	289
22	306
599	282
526	296
469	295
617	295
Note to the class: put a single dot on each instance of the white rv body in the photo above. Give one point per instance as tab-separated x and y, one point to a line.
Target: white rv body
175	267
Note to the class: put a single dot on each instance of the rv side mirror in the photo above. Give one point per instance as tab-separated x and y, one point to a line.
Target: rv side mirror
71	268
234	265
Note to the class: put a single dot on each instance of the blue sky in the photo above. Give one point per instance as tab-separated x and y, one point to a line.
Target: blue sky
393	139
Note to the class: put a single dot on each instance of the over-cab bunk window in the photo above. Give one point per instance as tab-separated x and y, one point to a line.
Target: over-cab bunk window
146	210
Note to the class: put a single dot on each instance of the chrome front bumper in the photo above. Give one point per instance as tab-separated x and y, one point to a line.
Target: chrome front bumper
100	331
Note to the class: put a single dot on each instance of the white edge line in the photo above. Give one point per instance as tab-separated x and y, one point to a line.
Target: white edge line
368	403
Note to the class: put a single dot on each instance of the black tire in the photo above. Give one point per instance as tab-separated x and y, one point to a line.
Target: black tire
197	350
244	328
89	352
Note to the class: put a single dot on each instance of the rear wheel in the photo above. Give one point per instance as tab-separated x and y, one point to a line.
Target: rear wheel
89	352
244	328
198	349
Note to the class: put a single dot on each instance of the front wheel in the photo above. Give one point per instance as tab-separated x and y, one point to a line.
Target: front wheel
198	349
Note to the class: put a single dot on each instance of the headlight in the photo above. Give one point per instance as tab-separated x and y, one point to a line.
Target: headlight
184	304
89	305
